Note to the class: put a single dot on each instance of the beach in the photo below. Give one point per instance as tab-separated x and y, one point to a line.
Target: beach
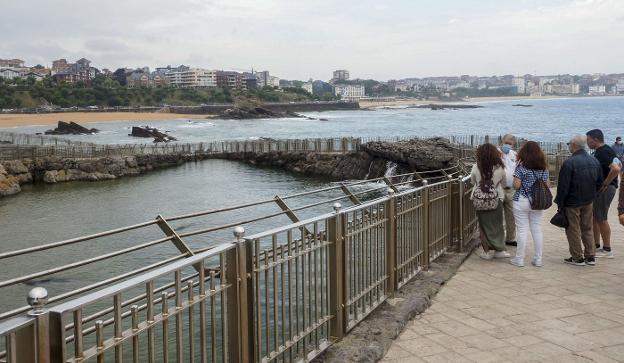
20	119
416	102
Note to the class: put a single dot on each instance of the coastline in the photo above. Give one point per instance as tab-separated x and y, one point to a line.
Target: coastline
415	102
44	119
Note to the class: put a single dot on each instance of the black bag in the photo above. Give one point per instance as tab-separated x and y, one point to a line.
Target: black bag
560	219
541	197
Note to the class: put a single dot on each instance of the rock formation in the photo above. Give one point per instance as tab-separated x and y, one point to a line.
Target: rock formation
146	131
71	128
246	112
9	184
443	106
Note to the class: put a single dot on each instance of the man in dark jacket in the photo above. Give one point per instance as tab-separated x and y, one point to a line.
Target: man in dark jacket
580	179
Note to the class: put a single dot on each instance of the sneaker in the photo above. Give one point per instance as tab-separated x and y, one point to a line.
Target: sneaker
485	255
575	261
501	254
604	254
590	260
536	262
511	243
516	262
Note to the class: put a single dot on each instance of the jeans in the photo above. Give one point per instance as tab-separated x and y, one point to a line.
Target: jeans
528	219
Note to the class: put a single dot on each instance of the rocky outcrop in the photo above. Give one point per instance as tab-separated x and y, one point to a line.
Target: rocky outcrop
71	128
56	170
146	131
333	166
9	184
415	154
445	106
244	113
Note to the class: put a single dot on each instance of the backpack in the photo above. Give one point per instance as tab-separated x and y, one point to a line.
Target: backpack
540	196
485	200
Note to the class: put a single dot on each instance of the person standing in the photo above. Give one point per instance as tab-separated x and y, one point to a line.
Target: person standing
489	173
620	206
580	178
610	166
509	159
531	168
618	147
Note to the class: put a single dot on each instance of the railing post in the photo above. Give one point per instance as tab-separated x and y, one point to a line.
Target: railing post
32	343
240	300
336	276
427	224
461	213
391	242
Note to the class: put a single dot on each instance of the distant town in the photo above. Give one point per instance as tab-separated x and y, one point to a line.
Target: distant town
340	86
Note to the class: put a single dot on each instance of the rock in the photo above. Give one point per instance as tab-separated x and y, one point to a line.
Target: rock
15	167
71	128
9	185
248	112
416	154
146	131
437	106
50	176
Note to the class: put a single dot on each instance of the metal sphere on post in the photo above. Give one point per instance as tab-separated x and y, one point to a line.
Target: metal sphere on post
37	298
337	207
239	233
425	182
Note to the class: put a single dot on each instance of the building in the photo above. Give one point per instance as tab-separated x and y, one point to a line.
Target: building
249	80
11	63
229	79
190	78
520	84
597	90
561	89
340	75
308	87
9	73
62	71
264	79
349	92
140	79
619	86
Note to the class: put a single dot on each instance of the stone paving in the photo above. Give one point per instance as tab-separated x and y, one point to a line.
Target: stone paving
491	311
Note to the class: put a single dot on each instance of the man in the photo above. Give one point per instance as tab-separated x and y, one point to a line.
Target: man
621	200
580	179
618	147
610	166
509	158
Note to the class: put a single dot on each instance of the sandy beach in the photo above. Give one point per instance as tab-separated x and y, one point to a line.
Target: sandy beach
415	102
13	120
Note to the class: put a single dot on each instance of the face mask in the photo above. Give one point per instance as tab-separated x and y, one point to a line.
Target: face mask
619	142
506	148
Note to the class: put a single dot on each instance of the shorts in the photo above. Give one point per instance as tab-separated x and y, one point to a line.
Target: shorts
602	202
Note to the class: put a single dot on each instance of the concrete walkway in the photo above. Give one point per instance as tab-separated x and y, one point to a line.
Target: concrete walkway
491	311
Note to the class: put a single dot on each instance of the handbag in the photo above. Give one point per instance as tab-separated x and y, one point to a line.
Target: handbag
560	219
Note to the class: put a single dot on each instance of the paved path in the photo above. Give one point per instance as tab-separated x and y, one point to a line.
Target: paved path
491	311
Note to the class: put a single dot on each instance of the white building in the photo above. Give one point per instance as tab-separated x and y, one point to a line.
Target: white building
520	84
597	90
340	75
620	86
349	92
308	87
194	77
562	89
9	73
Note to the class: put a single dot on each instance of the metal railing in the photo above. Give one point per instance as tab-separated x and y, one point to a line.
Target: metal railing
285	294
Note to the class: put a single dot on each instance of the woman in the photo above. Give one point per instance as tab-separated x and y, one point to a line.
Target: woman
490	167
532	166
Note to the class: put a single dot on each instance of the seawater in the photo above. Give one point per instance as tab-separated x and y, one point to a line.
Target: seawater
48	213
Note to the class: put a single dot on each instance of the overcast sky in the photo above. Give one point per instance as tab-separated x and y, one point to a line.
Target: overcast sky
297	39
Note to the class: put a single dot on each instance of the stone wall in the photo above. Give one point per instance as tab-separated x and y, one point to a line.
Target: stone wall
55	170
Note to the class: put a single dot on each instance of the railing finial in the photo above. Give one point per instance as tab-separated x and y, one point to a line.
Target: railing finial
37	298
337	207
239	233
390	191
425	182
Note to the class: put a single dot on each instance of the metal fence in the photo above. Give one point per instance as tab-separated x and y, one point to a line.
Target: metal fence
282	295
14	138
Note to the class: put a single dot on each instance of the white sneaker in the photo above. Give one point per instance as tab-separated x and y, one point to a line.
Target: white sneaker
501	254
536	262
516	262
485	255
604	254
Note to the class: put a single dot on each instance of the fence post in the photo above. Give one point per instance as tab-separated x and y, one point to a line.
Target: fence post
336	276
391	242
461	213
427	224
240	299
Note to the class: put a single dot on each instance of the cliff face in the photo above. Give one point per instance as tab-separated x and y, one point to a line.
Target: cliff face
54	169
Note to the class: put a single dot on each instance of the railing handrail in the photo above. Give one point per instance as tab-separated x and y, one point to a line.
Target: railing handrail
141	279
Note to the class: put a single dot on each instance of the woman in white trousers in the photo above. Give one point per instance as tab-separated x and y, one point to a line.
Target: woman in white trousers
532	167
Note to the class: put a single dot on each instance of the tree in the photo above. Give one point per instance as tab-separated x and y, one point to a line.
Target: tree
120	76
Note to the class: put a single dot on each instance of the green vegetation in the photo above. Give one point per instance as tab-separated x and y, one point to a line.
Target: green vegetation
107	92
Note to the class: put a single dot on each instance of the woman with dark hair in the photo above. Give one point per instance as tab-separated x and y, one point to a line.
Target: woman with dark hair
532	166
488	175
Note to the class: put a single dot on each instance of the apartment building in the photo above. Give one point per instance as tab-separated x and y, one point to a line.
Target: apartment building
340	75
349	92
229	79
11	63
193	78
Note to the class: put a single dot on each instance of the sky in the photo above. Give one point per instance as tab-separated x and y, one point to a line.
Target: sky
296	39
